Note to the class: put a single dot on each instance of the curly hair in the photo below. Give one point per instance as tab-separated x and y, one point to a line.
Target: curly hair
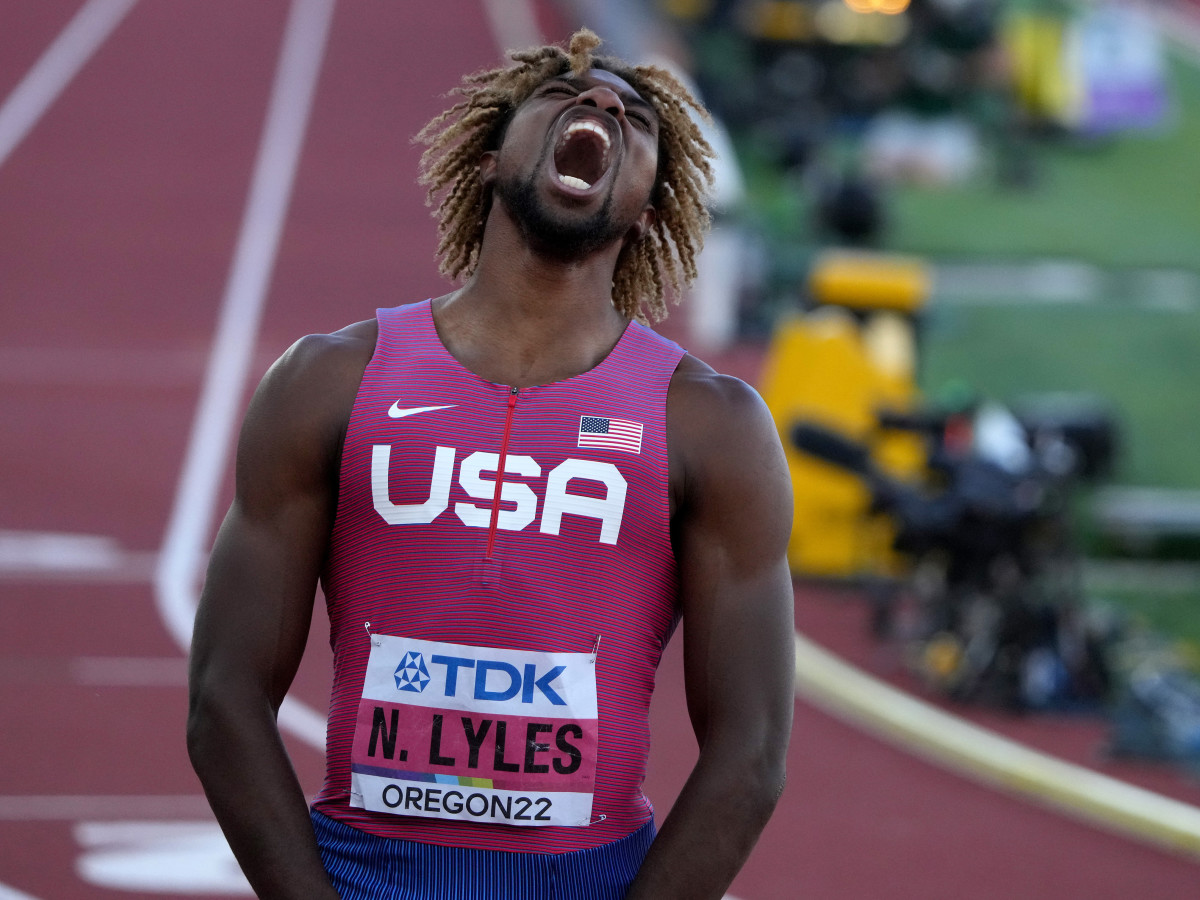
664	260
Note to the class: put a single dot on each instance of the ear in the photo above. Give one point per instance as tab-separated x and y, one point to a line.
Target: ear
641	227
487	168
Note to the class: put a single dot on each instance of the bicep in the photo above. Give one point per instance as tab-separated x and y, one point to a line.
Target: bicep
256	606
736	592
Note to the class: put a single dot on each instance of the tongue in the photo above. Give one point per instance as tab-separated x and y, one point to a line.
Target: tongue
580	158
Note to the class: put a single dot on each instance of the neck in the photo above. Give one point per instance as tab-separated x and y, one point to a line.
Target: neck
528	318
513	271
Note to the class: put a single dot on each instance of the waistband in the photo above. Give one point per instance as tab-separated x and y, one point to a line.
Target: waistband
364	866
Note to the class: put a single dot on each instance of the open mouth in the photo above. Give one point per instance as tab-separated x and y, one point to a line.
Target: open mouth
581	156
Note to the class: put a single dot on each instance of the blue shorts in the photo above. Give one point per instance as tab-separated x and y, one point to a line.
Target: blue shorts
364	866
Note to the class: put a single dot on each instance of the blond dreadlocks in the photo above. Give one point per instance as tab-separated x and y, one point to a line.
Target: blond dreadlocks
457	138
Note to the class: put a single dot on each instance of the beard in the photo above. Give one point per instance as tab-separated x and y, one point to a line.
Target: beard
549	231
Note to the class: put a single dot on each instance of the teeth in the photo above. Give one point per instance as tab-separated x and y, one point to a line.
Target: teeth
572	181
593	127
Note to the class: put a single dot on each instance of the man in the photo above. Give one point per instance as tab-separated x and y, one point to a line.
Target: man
510	494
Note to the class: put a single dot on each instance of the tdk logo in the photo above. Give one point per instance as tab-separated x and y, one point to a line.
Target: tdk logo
485	679
411	674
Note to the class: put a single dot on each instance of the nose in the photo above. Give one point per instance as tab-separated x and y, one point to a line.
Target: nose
604	98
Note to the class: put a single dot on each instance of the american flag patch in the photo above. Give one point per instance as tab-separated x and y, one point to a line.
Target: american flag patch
611	434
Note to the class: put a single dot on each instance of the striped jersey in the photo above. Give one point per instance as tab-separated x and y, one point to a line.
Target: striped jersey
500	587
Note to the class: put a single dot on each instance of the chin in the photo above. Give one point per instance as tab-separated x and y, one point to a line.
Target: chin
554	232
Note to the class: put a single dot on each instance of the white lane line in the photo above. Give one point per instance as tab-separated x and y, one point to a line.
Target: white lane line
71	807
43	555
58	551
158	858
62	60
138	568
949	741
129	671
190	525
513	24
178	575
96	367
10	893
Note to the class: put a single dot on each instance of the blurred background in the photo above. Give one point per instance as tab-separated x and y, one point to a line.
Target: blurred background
956	246
1002	202
966	234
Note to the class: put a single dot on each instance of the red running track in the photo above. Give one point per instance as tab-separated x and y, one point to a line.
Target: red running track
120	212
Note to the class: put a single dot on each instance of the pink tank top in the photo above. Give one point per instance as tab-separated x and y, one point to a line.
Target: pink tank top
460	715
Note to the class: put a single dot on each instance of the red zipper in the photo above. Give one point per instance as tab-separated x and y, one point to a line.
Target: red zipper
508	417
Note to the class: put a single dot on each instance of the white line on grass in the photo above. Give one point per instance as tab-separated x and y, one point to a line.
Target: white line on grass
60	63
178	575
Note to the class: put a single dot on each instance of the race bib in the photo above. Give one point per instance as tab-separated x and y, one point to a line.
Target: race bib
451	731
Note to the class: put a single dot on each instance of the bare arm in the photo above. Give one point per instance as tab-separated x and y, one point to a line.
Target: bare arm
257	605
731	525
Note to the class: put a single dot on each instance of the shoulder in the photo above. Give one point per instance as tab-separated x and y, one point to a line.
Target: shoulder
316	373
718	431
705	407
320	357
303	402
695	383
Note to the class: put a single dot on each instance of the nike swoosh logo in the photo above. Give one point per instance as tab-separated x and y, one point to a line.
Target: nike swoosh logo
396	412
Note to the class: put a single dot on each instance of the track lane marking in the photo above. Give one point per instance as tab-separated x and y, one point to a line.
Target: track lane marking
129	671
101	367
67	556
71	807
53	71
159	858
953	743
178	574
513	24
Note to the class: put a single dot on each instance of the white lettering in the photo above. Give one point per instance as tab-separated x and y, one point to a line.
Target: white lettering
411	513
609	510
524	808
469	474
